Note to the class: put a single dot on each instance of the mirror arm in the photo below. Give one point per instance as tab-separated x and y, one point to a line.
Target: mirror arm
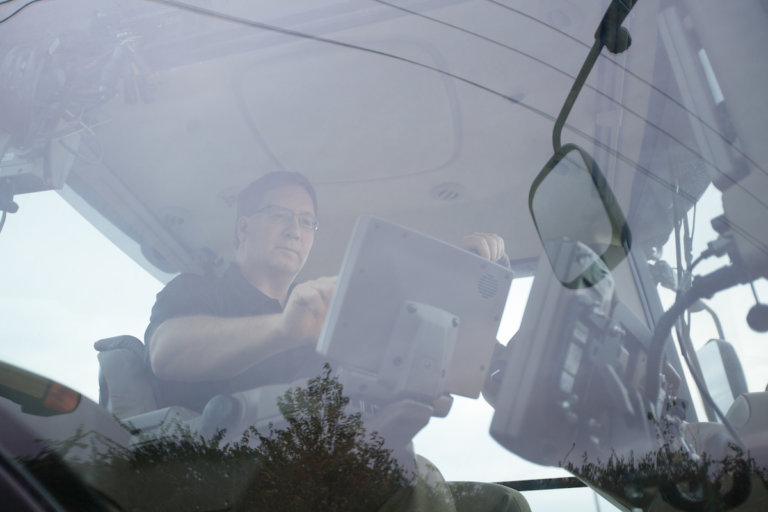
586	68
715	319
610	34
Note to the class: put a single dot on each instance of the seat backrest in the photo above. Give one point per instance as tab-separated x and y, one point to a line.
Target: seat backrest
126	385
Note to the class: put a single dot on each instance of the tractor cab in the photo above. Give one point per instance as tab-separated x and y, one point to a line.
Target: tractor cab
613	358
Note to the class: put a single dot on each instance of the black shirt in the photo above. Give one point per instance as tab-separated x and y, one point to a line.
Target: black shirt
230	295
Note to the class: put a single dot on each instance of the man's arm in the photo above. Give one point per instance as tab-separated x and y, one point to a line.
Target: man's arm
203	347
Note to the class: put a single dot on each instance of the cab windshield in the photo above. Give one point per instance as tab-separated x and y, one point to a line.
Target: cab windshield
543	222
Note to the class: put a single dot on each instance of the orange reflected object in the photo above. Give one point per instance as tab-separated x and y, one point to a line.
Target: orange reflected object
61	398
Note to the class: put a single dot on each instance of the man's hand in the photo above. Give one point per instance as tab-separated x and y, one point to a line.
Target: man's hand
487	245
304	314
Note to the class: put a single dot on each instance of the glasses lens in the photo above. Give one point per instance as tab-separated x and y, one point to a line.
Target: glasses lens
285	216
308	222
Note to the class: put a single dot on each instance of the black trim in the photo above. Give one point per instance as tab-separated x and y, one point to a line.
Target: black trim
20	491
544	484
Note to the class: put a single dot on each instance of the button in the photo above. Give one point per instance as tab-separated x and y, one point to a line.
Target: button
573	359
566	382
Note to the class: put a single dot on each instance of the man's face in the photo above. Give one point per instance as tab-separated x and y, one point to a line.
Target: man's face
273	240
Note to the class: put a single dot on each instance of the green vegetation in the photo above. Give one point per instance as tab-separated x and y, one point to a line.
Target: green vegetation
321	459
682	477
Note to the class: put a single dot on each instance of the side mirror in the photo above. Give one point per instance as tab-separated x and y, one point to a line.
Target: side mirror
570	199
35	394
722	372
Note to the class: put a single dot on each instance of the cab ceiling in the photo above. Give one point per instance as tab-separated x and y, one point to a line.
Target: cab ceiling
437	117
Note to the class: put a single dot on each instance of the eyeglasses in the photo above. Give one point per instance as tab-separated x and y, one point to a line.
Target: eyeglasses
275	213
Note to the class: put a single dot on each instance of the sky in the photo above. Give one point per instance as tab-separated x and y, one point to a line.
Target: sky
64	286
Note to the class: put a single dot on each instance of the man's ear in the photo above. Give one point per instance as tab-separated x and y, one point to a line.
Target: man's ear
241	229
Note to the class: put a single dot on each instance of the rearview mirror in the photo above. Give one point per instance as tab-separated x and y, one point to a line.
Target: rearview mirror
570	199
722	372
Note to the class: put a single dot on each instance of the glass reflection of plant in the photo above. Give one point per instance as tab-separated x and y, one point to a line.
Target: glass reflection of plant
681	477
322	459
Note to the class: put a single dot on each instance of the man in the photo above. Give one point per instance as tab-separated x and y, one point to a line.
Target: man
252	327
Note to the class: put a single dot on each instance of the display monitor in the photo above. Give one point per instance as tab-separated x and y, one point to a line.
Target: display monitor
412	315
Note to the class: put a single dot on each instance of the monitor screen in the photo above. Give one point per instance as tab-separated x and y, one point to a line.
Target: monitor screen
414	313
